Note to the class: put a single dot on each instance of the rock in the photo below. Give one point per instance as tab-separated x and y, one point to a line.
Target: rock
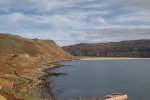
57	74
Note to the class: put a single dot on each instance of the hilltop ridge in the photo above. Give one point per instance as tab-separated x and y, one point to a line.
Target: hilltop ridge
16	44
22	63
131	48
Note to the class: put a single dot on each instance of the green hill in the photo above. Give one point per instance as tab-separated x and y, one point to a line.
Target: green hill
13	44
22	62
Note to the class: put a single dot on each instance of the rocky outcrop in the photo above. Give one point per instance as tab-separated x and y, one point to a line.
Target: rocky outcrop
134	48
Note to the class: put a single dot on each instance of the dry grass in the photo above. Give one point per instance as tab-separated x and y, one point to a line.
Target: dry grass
20	56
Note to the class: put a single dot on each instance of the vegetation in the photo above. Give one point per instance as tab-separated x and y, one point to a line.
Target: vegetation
21	59
134	48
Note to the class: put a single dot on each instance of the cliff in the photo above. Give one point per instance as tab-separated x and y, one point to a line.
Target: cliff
133	48
16	45
21	63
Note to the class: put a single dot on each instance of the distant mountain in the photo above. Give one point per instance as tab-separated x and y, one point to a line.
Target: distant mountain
132	48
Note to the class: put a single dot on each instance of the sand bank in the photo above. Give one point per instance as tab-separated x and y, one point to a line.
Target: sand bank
113	58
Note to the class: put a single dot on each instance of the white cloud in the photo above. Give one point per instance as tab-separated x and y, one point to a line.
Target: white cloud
39	6
138	3
137	16
13	18
74	21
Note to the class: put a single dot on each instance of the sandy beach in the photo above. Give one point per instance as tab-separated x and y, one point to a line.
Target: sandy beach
112	58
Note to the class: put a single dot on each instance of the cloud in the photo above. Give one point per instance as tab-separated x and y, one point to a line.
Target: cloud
109	35
74	21
138	3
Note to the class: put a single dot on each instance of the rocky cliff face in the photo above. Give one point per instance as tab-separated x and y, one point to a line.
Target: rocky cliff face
134	48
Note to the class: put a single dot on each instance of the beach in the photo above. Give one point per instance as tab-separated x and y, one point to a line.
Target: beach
112	58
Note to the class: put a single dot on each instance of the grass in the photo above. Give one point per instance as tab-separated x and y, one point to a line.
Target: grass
19	56
18	81
86	99
19	95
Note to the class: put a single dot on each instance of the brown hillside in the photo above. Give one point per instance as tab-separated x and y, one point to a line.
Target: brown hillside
134	48
21	62
14	44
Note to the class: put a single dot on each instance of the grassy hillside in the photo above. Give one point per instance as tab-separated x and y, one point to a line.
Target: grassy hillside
16	50
132	48
16	44
21	62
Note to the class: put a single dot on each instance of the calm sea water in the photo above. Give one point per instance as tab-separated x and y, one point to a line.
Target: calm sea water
94	78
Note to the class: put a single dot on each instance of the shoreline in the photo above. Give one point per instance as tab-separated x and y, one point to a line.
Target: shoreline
113	58
36	85
42	88
47	85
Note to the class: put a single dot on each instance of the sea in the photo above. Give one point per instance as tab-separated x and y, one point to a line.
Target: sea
94	78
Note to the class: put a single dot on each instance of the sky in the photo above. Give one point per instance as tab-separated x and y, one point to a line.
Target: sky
76	21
